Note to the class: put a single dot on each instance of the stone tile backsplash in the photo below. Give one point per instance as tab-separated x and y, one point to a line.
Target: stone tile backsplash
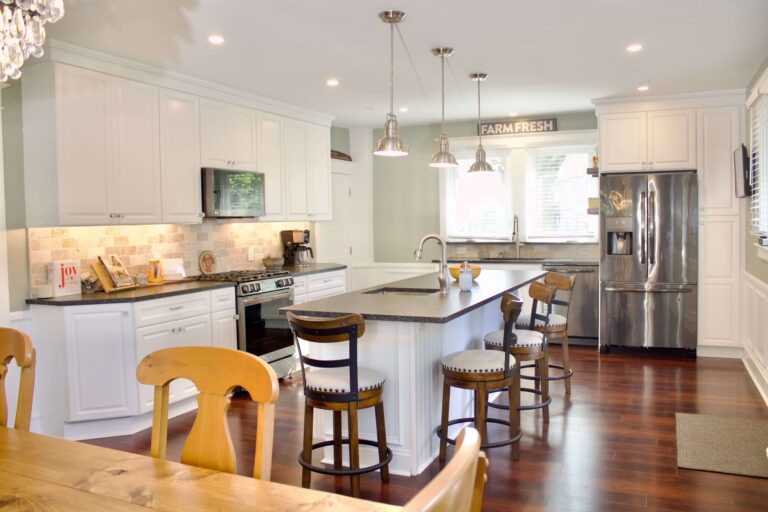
550	251
135	245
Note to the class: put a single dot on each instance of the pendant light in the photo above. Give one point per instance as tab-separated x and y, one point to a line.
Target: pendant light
443	157
480	162
390	144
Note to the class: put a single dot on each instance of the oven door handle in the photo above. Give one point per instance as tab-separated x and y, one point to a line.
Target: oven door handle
286	293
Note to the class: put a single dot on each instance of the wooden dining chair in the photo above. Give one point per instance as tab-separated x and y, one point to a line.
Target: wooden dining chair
459	486
17	345
216	372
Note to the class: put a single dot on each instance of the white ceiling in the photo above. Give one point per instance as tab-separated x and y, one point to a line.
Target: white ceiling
541	55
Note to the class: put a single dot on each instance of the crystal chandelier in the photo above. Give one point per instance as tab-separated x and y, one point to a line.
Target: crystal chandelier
23	32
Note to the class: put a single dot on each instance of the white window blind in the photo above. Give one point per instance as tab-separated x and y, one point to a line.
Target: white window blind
477	205
759	164
557	192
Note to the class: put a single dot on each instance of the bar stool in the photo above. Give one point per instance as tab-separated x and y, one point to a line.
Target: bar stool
530	345
558	324
485	371
339	385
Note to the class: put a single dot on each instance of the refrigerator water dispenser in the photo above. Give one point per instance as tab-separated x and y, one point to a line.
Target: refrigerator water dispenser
620	233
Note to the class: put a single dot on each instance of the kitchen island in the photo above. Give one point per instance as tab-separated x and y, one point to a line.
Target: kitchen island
410	326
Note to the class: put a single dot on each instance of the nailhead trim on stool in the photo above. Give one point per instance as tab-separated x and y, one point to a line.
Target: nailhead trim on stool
525	338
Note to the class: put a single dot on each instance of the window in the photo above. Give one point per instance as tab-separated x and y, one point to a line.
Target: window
557	192
759	165
477	205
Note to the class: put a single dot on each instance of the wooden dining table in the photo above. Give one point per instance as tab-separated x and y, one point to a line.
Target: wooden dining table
40	472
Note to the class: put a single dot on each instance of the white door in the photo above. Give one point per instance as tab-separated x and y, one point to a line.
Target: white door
334	238
224	329
190	331
719	281
319	172
672	139
269	132
623	142
215	134
101	362
84	131
718	130
296	170
243	133
151	339
135	181
180	157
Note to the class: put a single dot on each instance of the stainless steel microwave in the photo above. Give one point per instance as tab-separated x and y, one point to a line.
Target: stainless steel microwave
232	194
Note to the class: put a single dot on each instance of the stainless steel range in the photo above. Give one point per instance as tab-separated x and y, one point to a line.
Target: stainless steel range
261	329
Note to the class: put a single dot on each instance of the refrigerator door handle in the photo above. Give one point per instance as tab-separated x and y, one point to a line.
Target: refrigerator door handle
642	227
671	288
651	226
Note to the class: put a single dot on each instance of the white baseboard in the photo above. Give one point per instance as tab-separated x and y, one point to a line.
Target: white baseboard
727	352
759	375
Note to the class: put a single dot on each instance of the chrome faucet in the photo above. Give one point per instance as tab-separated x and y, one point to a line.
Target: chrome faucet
442	273
516	236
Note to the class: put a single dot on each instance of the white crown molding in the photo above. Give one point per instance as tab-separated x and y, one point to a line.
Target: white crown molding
761	87
59	51
667	101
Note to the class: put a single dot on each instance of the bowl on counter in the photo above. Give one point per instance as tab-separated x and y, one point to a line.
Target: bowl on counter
454	271
273	263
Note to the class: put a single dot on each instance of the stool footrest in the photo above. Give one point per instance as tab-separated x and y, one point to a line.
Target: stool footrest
551	377
483	446
524	407
345	472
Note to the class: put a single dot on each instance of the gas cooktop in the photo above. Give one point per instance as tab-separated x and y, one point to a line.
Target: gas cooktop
253	282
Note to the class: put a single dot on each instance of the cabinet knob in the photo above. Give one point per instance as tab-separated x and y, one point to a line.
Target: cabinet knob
236	317
645	164
650	164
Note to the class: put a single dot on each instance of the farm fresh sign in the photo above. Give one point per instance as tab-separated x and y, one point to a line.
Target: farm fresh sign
519	126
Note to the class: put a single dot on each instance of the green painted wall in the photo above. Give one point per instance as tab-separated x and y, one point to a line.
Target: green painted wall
15	219
406	203
340	139
753	264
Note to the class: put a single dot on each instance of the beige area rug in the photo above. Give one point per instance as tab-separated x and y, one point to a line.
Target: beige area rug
721	444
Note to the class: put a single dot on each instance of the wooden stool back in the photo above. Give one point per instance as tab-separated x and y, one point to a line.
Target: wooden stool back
511	307
459	486
17	345
216	372
544	294
562	283
329	330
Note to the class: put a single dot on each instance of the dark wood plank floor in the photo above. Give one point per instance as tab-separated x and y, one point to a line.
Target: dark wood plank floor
611	446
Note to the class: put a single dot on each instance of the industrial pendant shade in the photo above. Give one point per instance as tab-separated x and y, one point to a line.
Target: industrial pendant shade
443	156
480	163
390	144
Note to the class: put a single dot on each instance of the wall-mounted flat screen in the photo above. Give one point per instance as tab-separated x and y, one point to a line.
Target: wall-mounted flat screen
742	172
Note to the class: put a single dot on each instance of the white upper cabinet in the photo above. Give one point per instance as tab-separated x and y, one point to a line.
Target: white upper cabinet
270	148
623	142
180	157
719	135
308	171
655	140
672	139
228	136
135	183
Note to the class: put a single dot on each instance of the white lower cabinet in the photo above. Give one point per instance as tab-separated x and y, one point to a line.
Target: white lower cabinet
100	362
319	286
224	329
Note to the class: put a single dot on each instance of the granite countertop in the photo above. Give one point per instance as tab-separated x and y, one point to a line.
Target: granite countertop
134	295
543	261
431	308
312	268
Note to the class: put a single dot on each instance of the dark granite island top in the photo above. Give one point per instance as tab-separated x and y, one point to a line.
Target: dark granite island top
429	308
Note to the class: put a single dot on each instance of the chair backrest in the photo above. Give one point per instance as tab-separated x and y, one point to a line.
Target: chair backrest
511	307
17	345
216	372
544	294
347	328
563	283
459	486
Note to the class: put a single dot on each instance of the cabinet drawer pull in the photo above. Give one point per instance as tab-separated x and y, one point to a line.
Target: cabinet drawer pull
176	308
224	299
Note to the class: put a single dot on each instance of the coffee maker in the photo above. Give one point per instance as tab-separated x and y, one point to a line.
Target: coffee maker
295	248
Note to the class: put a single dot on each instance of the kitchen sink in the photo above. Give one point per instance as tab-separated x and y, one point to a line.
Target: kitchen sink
388	290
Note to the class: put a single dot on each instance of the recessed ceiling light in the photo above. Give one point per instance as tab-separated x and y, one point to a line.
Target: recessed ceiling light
332	82
634	48
643	87
216	39
403	109
513	114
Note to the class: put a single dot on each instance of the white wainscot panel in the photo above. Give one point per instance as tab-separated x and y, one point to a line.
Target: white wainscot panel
755	340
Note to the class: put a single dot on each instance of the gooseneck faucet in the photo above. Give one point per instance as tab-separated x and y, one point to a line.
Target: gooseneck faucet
442	273
516	236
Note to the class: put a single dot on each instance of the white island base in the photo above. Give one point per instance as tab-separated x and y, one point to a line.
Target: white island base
409	354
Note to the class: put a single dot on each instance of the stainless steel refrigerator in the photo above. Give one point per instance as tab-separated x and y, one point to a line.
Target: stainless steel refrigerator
648	259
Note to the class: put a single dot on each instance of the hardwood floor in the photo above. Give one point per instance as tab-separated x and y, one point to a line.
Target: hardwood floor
610	447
